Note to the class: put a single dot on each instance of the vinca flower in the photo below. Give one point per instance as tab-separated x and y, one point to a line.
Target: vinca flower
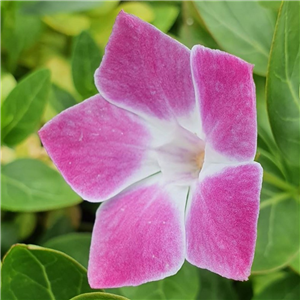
168	146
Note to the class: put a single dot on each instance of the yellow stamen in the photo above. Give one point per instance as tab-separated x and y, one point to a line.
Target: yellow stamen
200	160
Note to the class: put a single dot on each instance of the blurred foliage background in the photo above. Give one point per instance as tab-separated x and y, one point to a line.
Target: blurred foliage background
49	53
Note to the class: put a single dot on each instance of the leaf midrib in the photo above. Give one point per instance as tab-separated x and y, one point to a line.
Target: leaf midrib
250	42
23	112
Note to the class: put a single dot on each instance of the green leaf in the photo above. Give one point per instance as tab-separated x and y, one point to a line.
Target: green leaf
101	27
8	82
60	222
215	287
26	223
274	5
86	59
295	263
165	15
54	7
36	273
29	185
142	10
260	282
184	285
61	99
283	83
76	245
98	296
23	108
19	32
287	288
193	30
68	24
243	28
9	234
263	124
278	236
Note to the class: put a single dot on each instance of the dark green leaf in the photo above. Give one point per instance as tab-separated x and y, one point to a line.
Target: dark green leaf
215	287
23	108
283	83
61	99
30	185
34	273
60	222
86	59
76	245
184	285
53	7
9	234
243	28
287	288
278	235
98	296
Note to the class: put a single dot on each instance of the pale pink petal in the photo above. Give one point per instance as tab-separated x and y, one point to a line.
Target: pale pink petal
99	149
145	71
225	93
138	236
222	218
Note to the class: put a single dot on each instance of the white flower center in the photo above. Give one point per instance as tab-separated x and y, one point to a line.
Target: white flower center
182	158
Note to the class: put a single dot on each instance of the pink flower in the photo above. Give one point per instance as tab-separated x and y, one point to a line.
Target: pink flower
168	144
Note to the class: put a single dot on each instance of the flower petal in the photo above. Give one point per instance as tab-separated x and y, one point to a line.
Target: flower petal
138	236
222	218
147	72
99	149
225	93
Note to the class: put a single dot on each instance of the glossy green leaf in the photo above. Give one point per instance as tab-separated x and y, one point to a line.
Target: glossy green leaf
76	245
98	296
54	7
28	185
278	235
60	99
287	288
164	15
23	108
215	287
283	83
184	285
86	59
243	28
36	273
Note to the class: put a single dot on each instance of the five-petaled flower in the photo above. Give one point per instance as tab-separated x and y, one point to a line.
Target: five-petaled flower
168	144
